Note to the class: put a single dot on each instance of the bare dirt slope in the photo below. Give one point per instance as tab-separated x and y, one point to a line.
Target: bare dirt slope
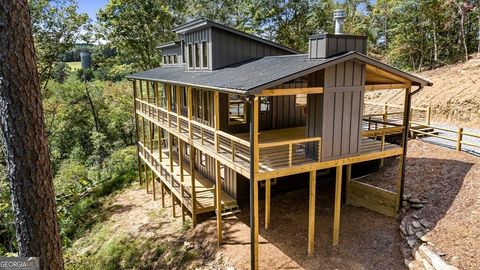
454	96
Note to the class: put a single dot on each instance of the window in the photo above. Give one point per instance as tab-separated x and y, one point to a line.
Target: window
170	59
197	55
174	58
301	100
184	97
264	104
190	56
237	107
164	59
187	150
205	54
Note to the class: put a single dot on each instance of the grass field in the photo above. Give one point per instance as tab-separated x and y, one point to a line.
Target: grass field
74	65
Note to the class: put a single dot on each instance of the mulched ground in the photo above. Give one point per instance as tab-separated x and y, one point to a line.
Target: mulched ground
448	180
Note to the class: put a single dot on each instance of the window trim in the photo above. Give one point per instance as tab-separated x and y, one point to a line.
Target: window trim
204	45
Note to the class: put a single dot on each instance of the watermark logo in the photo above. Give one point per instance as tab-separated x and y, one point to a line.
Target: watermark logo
19	263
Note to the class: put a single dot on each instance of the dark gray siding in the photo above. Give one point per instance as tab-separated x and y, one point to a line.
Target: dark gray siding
324	46
174	50
342	110
199	36
229	48
314	112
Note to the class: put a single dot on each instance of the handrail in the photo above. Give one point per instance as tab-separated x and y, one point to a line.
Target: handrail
288	142
381	131
233	138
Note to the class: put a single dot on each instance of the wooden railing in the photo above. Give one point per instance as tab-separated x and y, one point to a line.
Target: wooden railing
296	149
394	113
458	137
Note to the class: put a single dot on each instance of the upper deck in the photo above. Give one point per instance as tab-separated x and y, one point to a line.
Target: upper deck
280	151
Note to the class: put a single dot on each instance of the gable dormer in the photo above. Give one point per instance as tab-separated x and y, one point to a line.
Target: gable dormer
209	46
172	53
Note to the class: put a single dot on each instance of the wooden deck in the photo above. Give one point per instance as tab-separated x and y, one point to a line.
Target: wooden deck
277	157
204	189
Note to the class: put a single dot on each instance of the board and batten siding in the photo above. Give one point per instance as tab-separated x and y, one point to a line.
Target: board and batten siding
342	110
229	48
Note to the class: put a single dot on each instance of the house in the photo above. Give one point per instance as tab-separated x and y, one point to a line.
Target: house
229	111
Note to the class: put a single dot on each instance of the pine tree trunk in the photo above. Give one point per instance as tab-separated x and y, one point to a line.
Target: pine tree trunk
21	119
462	30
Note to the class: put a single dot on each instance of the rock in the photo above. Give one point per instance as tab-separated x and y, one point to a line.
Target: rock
433	258
415	216
416	224
426	223
411	241
410	230
230	268
425	238
405	204
417	205
187	245
403	231
419	235
416	200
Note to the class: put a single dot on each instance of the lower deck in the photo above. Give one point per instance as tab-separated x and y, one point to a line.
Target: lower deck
181	186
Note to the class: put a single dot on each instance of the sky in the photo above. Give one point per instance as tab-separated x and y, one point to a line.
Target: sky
91	7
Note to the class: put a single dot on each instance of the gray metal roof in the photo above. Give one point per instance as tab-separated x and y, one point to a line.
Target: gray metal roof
257	74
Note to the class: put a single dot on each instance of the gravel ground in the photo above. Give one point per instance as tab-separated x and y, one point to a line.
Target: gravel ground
452	145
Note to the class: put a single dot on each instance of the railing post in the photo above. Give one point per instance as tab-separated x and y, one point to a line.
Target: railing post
290	154
429	114
233	150
459	139
385	115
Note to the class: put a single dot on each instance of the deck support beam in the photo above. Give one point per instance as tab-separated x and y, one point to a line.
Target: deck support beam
193	192
406	124
218	201
337	207
348	179
162	187
254	166
180	164
311	212
267	202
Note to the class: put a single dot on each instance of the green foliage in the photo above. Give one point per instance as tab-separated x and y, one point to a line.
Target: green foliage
60	72
56	26
85	75
7	230
135	28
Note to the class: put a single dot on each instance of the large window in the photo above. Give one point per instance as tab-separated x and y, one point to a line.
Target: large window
204	55
197	55
174	58
190	56
237	107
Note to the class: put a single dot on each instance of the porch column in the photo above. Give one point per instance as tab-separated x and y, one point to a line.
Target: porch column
218	201
311	212
267	202
406	125
254	167
338	200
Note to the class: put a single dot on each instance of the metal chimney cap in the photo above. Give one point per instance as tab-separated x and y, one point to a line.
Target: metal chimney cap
339	14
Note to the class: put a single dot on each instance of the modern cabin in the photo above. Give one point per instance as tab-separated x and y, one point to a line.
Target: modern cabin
228	111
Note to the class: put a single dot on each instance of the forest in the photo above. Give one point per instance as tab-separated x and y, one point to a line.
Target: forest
89	112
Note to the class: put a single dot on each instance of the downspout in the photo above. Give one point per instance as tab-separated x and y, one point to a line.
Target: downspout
252	182
406	124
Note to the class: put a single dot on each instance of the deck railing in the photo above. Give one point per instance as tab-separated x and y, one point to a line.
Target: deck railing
394	113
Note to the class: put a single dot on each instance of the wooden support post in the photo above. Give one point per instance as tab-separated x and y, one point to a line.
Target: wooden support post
173	203
429	115
153	186
160	144
311	213
216	110
267	202
338	201
148	98
189	112
348	177
146	178
399	198
140	170
170	150
178	107
137	134
218	201
193	192
169	103
459	139
256	226
162	186
180	164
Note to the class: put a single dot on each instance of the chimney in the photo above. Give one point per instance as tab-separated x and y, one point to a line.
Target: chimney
339	16
326	45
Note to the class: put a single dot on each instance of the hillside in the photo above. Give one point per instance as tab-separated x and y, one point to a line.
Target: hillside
454	96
